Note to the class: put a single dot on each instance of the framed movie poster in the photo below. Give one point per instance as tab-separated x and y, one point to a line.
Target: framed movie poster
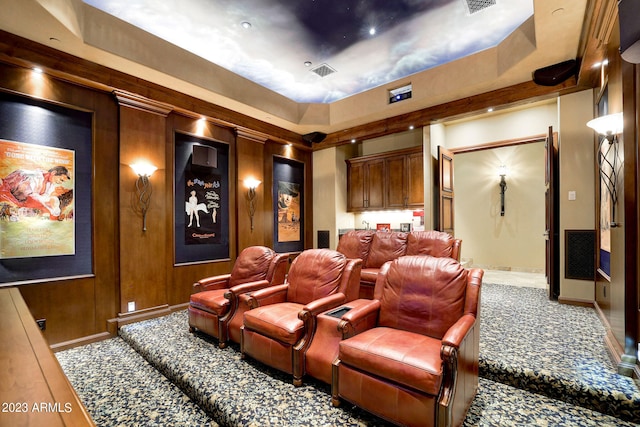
46	180
288	205
201	209
36	200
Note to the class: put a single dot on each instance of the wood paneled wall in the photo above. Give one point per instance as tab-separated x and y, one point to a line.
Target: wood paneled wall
180	278
142	138
131	264
80	307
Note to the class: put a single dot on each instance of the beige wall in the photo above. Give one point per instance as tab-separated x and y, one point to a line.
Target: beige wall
514	241
577	173
324	194
330	185
499	126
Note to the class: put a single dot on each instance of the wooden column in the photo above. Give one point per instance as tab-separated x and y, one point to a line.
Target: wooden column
250	164
142	128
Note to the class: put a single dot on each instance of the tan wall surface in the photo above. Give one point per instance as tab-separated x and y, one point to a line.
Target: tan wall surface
515	240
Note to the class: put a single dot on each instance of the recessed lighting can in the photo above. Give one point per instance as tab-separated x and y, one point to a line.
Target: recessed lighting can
246	24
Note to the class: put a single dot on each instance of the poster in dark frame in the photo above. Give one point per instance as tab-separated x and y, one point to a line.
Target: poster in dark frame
288	205
201	207
57	127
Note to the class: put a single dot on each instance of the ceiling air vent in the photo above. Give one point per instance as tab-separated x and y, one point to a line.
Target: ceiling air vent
478	5
323	70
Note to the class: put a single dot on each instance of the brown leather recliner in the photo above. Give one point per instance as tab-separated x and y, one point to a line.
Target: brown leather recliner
279	327
411	354
217	307
375	248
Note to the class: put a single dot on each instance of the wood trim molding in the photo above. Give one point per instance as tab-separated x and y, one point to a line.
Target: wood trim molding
251	135
25	53
499	144
515	95
137	316
138	102
66	345
386	154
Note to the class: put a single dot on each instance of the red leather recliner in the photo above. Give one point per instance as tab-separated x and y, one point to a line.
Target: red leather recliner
375	248
280	326
217	308
411	354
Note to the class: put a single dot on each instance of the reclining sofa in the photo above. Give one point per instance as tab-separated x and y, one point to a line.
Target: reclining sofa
375	248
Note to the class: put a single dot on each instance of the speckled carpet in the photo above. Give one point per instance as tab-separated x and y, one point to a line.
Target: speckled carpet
541	363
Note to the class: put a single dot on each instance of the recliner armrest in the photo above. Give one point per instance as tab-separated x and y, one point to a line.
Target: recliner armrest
270	295
359	319
214	282
458	331
247	287
323	304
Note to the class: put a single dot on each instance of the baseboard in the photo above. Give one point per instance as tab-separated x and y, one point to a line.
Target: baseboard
578	302
66	345
179	307
139	315
613	347
114	324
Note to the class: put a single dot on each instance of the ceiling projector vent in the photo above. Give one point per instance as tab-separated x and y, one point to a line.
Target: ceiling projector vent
323	70
478	5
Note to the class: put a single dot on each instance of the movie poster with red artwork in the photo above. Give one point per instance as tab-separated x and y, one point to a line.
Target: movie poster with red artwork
36	200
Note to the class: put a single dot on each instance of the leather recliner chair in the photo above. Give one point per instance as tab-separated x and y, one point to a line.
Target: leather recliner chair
411	354
279	327
217	307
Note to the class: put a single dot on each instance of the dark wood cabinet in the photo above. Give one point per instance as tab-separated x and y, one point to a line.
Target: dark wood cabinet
415	180
365	185
393	180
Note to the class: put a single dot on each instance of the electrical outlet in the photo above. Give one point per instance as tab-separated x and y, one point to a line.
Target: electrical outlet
42	324
131	306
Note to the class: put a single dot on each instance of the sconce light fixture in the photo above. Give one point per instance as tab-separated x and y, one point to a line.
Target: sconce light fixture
610	126
251	184
502	171
143	188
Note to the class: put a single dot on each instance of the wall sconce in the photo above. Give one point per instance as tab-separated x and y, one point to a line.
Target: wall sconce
610	126
502	171
251	184
143	188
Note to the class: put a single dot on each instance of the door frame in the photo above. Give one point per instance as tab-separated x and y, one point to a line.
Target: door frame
552	257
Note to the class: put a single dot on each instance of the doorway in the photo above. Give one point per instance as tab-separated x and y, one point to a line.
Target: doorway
502	232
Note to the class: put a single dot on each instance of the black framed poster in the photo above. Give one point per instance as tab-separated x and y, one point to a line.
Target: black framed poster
45	190
201	211
288	205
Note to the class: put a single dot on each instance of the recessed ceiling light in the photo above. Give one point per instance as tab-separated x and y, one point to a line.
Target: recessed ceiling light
411	127
307	63
490	110
246	24
372	31
353	141
37	70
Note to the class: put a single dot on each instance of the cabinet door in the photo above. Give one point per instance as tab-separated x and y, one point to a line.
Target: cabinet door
415	181
356	186
396	182
375	185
